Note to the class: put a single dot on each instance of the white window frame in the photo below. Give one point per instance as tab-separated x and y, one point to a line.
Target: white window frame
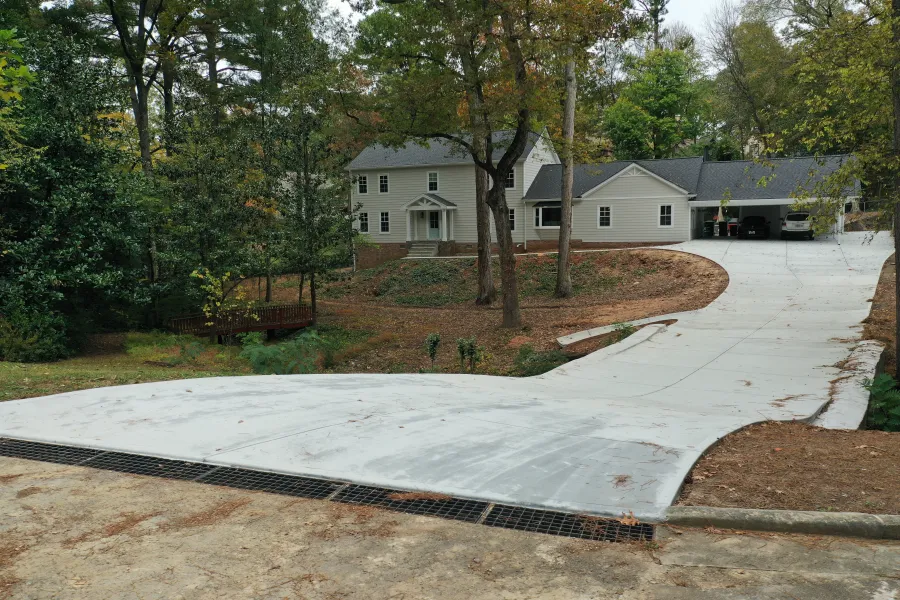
609	208
387	181
512	219
671	215
437	181
381	222
512	173
362	180
540	211
360	219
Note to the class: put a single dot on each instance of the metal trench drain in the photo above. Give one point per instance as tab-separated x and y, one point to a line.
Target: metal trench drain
415	503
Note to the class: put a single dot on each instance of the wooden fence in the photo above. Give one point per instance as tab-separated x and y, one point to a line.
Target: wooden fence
262	318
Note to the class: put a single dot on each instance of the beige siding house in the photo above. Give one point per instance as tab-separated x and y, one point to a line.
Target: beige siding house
419	200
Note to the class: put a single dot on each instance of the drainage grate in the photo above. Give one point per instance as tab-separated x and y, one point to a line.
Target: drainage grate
275	483
415	503
136	464
566	525
64	455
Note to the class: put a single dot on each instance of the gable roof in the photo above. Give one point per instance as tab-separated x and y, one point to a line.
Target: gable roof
433	152
702	180
682	172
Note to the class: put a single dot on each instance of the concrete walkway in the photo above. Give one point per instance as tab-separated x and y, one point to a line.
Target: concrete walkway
615	431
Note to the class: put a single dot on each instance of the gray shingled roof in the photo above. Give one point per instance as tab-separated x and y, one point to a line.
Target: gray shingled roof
705	180
783	178
435	151
683	172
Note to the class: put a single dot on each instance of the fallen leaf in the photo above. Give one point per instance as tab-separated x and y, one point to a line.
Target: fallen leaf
628	519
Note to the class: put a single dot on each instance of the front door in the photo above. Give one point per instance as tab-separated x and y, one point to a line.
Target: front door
434	225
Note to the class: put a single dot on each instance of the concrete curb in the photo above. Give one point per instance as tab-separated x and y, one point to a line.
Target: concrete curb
859	525
849	399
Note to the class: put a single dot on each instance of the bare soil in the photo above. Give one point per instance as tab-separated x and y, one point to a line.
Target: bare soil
644	283
882	320
794	466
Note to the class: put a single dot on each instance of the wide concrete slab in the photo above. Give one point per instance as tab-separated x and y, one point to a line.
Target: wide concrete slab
612	432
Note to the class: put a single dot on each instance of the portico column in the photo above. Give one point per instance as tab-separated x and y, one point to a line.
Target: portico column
444	225
408	226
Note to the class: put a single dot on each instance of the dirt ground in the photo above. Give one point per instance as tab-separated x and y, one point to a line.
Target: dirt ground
797	466
73	533
882	320
668	282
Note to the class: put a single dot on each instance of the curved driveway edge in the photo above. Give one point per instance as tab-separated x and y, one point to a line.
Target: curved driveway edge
615	431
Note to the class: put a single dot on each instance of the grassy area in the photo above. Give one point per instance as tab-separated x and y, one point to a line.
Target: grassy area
120	359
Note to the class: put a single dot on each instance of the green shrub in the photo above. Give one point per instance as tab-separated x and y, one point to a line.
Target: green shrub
432	343
529	363
31	336
623	330
884	403
297	355
469	352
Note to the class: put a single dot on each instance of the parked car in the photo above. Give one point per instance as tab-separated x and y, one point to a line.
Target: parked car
797	224
754	226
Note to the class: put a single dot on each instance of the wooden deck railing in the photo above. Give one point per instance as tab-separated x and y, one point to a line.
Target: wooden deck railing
262	318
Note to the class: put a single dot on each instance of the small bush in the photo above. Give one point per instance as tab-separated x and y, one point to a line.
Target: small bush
623	330
294	356
31	336
884	404
529	363
469	352
432	343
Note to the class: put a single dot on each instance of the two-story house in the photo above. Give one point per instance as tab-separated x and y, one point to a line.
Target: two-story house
419	200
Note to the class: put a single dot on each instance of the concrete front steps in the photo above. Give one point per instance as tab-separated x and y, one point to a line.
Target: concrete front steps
423	250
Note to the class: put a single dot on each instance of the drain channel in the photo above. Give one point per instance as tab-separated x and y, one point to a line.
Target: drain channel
415	503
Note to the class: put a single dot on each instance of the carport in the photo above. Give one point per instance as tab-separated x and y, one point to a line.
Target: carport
766	190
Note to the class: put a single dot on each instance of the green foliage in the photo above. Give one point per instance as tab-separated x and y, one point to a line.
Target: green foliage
529	363
469	352
432	342
884	403
32	336
294	356
623	330
14	78
659	108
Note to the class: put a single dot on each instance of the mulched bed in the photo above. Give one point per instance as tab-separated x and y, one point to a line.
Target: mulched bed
882	320
794	466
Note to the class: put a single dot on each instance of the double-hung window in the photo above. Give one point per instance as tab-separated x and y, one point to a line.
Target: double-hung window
433	181
511	180
604	216
665	215
547	214
383	184
385	222
363	184
512	219
364	222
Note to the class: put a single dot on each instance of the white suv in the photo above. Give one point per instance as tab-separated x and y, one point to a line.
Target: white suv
797	224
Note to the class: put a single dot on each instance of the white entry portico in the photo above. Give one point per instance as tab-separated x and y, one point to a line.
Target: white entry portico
429	217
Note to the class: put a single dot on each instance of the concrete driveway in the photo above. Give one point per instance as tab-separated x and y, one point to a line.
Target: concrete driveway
615	431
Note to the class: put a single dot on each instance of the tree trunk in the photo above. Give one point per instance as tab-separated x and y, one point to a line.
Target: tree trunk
512	317
487	293
211	57
895	97
168	74
563	272
300	289
142	120
312	297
